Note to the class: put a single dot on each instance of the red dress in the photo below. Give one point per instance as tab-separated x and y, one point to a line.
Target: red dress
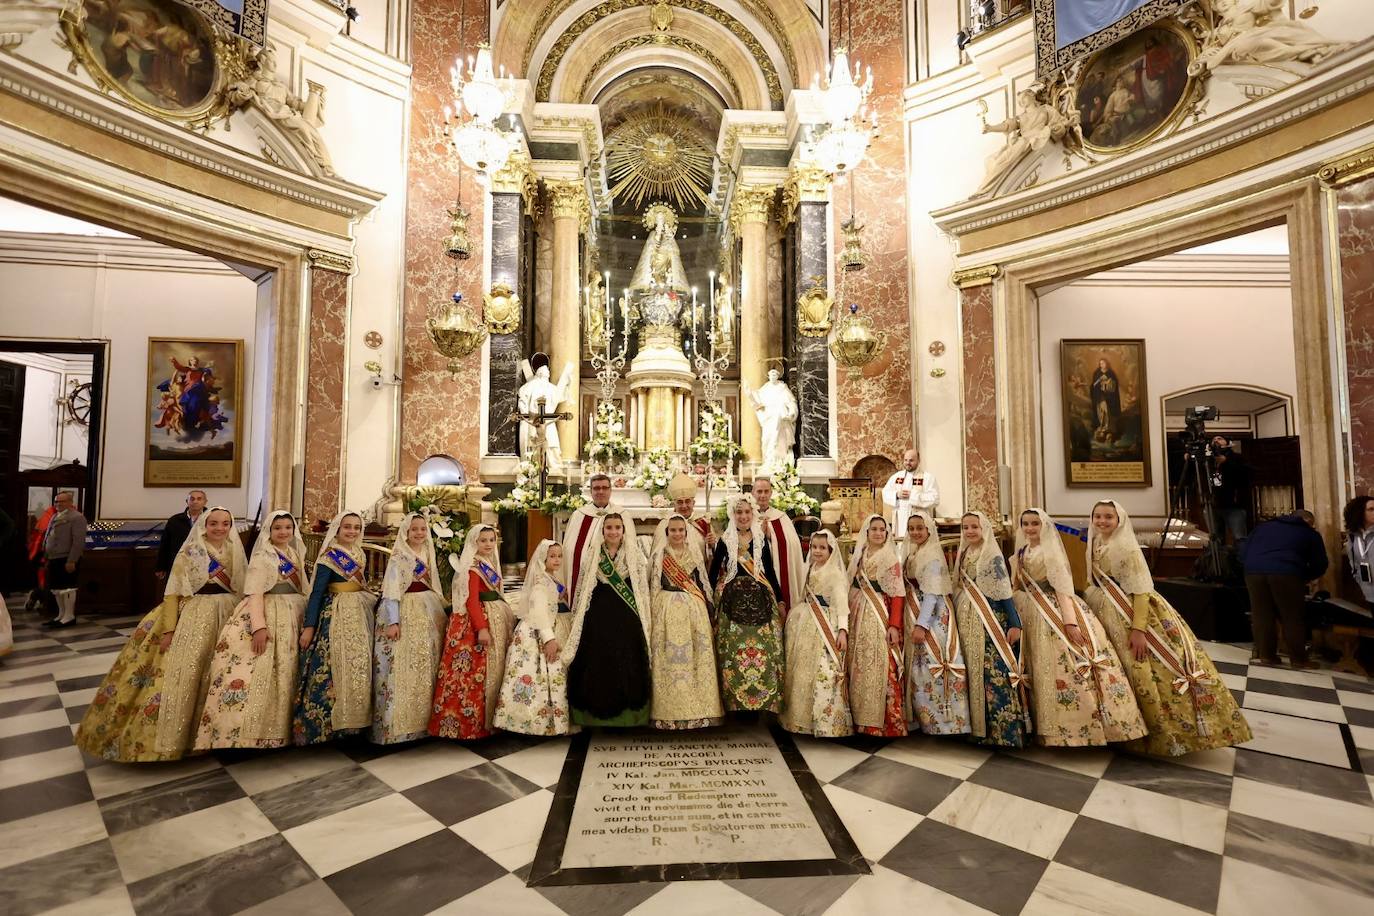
460	690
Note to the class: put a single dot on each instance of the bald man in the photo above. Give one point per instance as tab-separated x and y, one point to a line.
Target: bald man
909	490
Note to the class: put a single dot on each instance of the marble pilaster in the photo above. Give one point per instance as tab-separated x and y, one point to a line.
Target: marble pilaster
980	401
324	416
1355	235
503	363
749	214
570	210
813	359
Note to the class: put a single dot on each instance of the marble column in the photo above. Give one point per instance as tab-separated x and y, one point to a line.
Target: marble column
324	416
979	393
749	216
569	204
809	188
1355	236
509	198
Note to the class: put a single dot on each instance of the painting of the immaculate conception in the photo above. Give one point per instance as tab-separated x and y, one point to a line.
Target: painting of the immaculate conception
194	429
1106	412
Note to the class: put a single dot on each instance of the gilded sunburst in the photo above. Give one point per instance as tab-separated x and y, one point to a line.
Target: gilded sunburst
657	155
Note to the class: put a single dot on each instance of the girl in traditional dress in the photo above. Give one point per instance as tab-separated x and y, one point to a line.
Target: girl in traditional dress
876	590
989	628
534	692
937	680
122	722
1181	697
607	654
479	630
409	630
334	696
816	699
253	671
686	685
748	621
213	578
1079	692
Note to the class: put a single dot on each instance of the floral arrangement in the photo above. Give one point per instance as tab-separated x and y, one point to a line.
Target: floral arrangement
713	444
609	446
448	525
655	472
524	496
788	494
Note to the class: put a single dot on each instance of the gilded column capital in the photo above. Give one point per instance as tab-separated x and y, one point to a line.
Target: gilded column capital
804	183
328	260
1351	168
516	177
568	200
970	277
750	206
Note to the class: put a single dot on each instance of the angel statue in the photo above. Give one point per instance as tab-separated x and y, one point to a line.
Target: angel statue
1259	32
301	120
540	397
1034	125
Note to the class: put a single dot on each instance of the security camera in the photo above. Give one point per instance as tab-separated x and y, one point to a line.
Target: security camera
376	382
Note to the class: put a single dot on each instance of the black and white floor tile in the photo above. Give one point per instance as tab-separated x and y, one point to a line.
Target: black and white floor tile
1282	825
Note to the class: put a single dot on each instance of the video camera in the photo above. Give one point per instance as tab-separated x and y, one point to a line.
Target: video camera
1196	443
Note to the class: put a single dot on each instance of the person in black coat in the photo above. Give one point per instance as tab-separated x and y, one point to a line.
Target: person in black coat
1281	557
174	533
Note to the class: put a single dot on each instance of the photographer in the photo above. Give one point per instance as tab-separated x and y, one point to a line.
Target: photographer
1230	493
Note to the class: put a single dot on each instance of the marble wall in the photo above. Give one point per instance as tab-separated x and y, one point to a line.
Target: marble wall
874	412
1355	227
324	435
813	359
980	402
439	411
503	366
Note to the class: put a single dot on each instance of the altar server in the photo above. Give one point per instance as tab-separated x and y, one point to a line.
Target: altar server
607	655
334	696
1181	696
816	696
748	618
468	685
686	685
408	635
125	719
534	689
253	672
937	678
1079	692
989	629
876	594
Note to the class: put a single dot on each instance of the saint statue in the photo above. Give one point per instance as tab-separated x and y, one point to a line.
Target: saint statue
776	410
660	263
540	396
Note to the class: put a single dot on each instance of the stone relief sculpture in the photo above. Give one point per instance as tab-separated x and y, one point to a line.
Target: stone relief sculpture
299	119
1034	125
1260	32
21	18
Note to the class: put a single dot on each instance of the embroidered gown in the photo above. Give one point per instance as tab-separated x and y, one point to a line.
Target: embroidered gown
815	694
1199	718
748	631
334	696
996	714
468	685
876	686
534	691
404	668
937	678
1079	695
250	696
686	689
609	682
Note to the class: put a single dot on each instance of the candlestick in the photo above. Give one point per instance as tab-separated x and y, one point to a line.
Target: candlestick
694	320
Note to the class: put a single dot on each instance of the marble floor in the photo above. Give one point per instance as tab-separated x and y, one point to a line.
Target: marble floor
1284	825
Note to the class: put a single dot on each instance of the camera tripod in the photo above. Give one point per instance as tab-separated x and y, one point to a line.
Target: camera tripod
1197	472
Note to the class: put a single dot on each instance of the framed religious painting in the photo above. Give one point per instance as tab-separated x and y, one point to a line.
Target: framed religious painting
194	434
1106	413
1137	89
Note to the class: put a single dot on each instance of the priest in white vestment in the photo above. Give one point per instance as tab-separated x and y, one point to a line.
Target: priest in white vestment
579	527
682	490
785	544
908	491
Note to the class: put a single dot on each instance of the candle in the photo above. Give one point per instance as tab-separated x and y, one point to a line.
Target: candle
694	320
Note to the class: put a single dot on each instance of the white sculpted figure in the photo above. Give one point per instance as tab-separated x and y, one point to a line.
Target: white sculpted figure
301	120
527	402
1260	32
1034	125
776	409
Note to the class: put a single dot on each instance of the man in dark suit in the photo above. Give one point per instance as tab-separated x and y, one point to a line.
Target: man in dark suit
175	531
1281	558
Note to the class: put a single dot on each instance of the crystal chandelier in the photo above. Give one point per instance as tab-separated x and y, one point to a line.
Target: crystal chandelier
845	95
840	149
479	141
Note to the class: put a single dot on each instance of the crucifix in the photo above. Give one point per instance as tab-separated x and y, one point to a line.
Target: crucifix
539	417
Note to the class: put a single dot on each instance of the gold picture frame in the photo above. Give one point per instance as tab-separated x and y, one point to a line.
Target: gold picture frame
195	415
1106	411
161	57
1138	89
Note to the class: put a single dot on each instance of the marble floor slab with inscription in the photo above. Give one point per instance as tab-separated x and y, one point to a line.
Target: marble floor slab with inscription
1283	825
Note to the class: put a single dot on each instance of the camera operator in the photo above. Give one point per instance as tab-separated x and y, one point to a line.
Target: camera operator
1230	493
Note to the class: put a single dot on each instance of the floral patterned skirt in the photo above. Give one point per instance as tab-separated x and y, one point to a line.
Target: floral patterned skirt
815	701
936	704
121	722
750	657
996	716
458	708
534	691
250	696
334	696
403	669
186	668
876	686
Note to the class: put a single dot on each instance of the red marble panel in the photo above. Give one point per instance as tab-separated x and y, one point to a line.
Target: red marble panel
324	433
439	412
1355	221
874	411
980	402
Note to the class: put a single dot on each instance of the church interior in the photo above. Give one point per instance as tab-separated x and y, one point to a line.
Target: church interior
755	279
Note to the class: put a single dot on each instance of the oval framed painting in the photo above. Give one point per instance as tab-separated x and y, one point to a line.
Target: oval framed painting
1135	90
160	56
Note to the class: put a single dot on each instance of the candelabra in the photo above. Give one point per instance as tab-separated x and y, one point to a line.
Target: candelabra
609	368
709	371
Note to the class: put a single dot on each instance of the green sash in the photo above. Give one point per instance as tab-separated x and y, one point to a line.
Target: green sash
613	578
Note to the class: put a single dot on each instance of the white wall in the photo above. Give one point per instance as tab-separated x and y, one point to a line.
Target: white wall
125	291
47	435
1194	336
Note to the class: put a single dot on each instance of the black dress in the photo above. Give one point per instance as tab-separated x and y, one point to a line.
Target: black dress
608	680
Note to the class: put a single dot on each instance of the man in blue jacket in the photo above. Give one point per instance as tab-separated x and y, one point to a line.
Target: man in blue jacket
1281	557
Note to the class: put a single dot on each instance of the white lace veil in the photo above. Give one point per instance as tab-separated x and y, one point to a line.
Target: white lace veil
730	537
263	573
885	557
539	590
331	536
465	563
1121	557
191	569
991	572
927	563
1057	568
822	579
400	568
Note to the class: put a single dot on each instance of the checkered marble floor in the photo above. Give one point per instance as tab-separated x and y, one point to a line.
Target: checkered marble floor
1283	825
